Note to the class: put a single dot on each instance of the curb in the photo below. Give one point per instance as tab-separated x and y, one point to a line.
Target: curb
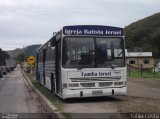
48	105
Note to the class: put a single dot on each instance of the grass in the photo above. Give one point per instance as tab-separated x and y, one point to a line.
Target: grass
67	115
145	74
55	100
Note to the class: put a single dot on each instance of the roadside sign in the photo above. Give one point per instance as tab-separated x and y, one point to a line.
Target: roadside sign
31	59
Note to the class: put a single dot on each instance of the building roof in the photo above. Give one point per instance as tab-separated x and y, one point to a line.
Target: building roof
138	54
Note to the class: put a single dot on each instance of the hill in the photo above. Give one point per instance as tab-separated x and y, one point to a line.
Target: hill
29	50
144	35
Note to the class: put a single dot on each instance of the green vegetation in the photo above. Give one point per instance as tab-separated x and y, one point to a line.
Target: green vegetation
145	74
59	103
3	57
31	50
20	57
144	35
67	115
22	54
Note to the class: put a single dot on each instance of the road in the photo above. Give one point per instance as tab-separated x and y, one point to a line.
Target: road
143	96
14	96
146	88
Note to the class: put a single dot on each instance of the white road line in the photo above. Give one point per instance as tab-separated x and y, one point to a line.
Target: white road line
3	79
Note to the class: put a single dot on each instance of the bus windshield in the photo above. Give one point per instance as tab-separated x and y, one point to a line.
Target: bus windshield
88	52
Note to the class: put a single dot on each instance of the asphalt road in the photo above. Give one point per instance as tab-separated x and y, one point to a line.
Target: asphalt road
14	96
143	96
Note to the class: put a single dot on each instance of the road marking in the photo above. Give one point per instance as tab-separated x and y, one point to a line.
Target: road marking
3	79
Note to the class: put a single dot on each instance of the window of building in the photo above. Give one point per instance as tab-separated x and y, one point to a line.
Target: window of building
146	61
132	62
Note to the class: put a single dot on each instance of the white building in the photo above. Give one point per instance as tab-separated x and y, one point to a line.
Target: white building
138	59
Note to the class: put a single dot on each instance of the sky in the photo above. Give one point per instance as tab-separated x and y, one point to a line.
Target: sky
28	22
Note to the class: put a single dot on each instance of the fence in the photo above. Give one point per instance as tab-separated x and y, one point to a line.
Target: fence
143	72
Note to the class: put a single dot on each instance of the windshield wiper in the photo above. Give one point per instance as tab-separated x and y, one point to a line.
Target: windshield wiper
111	65
120	53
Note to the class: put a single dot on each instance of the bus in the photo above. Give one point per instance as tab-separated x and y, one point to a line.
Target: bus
83	61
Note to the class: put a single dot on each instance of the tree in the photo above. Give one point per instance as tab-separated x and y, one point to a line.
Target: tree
21	57
3	56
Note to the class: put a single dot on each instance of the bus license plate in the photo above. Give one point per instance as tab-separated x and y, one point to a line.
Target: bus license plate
97	92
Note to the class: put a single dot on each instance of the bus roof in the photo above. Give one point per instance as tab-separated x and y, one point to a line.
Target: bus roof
87	30
52	38
97	30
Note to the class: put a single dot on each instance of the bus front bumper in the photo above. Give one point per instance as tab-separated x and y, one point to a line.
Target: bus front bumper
78	93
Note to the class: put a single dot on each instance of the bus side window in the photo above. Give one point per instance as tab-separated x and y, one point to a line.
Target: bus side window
112	50
53	41
37	57
59	48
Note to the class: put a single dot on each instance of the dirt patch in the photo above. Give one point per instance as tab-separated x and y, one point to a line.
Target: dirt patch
110	107
138	104
150	82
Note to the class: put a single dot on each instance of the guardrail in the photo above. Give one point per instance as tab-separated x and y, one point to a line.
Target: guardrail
142	71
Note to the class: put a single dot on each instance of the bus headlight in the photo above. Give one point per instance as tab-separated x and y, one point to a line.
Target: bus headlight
73	85
64	85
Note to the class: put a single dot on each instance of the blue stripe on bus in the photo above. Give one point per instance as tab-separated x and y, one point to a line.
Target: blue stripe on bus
93	30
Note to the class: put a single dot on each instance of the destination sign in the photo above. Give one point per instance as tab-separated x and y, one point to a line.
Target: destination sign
93	30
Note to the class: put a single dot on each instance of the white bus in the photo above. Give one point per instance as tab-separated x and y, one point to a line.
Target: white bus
83	61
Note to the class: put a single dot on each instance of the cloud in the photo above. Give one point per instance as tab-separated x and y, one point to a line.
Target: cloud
29	22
